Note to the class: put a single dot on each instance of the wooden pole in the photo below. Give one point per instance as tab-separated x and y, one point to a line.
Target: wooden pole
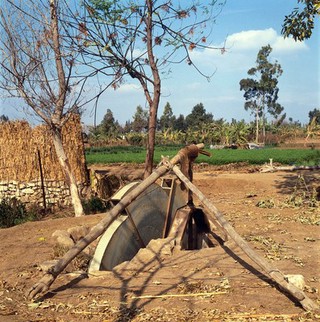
50	276
273	272
42	182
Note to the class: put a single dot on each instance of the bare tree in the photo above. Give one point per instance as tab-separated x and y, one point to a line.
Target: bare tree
37	67
141	39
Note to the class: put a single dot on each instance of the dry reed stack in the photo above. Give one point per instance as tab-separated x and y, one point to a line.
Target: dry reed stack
19	156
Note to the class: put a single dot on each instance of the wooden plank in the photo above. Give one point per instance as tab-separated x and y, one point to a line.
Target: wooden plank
179	225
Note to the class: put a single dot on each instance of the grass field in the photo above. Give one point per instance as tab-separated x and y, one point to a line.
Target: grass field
107	155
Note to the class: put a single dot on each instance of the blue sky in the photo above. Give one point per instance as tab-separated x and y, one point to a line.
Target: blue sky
245	26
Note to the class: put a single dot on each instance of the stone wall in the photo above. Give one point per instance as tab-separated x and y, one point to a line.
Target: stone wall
56	192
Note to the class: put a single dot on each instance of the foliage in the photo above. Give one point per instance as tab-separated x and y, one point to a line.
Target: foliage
300	22
289	131
180	123
108	124
167	119
4	118
234	133
112	30
314	115
272	249
114	149
94	205
13	212
140	120
198	117
303	194
218	132
313	128
209	131
309	218
266	203
33	66
261	91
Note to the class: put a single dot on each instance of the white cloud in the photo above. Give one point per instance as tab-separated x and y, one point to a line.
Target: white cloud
287	45
255	39
251	39
128	88
244	46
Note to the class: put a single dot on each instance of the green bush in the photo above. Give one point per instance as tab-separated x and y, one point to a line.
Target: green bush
12	212
136	139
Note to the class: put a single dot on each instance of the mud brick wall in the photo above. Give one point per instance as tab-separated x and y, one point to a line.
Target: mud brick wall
20	147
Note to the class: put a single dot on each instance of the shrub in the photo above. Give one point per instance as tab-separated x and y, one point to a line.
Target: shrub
12	212
136	139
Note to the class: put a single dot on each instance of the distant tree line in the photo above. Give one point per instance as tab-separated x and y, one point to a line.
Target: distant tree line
199	126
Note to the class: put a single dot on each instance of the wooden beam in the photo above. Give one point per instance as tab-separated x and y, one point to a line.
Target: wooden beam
179	225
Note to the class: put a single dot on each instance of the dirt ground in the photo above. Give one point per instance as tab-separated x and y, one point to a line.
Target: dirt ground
275	213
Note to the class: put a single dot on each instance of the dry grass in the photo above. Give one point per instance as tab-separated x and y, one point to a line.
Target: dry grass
19	145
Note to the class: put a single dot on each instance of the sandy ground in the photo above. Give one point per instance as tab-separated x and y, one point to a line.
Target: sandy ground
270	211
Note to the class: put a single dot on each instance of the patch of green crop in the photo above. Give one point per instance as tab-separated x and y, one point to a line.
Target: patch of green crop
218	157
283	156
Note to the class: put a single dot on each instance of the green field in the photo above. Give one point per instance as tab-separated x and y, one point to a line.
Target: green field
219	157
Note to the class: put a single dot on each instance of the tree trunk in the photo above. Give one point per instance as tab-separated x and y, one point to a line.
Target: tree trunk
264	129
154	103
151	135
257	126
57	115
70	179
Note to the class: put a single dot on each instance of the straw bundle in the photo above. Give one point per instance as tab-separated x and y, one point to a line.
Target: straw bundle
19	145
